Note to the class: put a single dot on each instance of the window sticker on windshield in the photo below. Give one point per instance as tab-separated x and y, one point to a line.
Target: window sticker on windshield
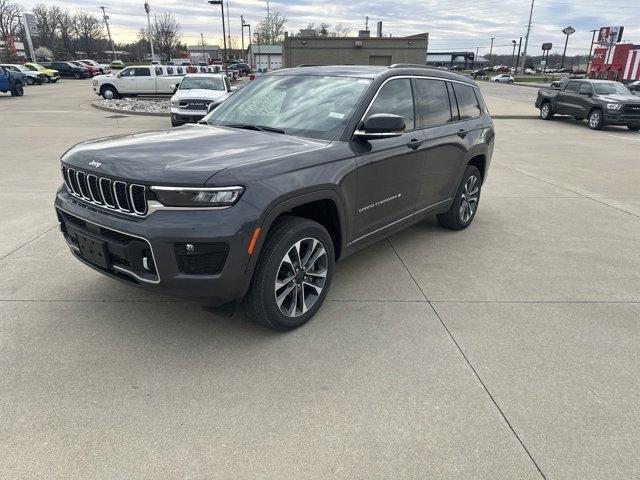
339	116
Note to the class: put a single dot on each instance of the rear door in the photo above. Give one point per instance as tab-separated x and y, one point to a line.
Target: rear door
567	103
438	118
389	168
144	82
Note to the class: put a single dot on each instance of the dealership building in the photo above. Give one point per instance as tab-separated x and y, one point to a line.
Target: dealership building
311	49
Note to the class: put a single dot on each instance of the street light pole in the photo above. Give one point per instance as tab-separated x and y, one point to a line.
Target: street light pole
593	37
513	53
204	59
242	33
491	52
224	33
147	9
105	17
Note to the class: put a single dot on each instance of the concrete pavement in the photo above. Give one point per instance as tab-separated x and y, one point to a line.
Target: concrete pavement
508	350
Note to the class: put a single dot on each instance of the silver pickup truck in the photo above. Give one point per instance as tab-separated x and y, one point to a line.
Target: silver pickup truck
136	80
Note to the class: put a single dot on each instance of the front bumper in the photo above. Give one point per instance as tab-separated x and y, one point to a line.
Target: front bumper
187	116
144	251
613	117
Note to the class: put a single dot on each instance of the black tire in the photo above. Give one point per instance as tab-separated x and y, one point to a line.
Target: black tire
260	303
76	76
456	217
633	128
109	93
176	123
47	79
30	81
596	120
545	111
17	90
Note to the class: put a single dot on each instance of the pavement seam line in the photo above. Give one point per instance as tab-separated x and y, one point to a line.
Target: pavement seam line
569	190
475	372
27	243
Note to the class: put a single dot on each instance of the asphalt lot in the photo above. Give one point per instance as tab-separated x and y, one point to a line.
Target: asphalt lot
506	351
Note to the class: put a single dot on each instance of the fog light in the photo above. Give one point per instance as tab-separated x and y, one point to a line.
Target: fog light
190	247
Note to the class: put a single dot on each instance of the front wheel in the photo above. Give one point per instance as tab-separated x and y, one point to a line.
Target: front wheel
47	80
176	123
293	274
30	81
545	111
596	120
76	76
18	90
465	204
109	93
633	128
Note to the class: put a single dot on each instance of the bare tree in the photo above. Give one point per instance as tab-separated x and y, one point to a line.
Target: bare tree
48	20
323	29
66	26
341	31
43	52
88	28
166	34
271	29
9	19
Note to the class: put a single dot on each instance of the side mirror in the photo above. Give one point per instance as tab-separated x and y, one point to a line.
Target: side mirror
381	125
174	87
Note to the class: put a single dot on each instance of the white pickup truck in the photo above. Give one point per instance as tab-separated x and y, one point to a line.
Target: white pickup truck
136	80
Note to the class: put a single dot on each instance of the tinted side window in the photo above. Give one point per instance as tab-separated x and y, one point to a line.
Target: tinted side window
585	88
432	101
142	72
395	97
170	70
467	102
452	101
572	87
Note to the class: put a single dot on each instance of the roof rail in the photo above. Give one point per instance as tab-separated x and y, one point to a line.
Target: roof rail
410	65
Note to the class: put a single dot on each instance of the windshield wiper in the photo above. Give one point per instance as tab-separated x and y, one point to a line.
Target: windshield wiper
249	126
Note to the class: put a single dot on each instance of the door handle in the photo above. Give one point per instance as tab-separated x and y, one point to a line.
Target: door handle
414	143
462	133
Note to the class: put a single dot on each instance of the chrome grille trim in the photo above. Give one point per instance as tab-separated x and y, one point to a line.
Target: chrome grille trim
104	192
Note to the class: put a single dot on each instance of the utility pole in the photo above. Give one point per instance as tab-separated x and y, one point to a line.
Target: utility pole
147	9
224	32
105	17
491	52
526	41
473	64
204	59
518	57
242	32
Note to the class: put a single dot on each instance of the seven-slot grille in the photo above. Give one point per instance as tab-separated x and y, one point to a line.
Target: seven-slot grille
632	109
114	194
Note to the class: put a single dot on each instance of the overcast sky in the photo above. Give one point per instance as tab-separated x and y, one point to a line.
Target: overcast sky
459	25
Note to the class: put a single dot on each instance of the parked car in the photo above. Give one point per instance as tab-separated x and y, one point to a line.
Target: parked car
242	68
116	64
634	87
10	81
529	71
28	76
601	102
195	93
93	71
68	70
50	75
138	80
481	72
102	69
503	78
293	172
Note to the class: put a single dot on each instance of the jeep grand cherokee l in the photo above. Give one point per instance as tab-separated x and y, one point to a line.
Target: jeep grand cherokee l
295	171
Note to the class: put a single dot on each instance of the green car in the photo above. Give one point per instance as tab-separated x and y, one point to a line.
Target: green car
117	64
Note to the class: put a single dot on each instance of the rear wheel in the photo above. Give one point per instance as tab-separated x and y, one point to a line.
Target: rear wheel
293	274
76	76
596	120
545	111
465	204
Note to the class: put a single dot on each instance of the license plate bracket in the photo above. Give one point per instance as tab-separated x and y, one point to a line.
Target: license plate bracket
93	250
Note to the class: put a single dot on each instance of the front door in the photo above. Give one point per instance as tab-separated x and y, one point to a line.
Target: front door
567	103
388	168
144	82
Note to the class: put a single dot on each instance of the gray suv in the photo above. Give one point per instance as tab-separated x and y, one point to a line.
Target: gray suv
295	171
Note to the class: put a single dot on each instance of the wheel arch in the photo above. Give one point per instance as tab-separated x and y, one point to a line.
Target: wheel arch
324	206
105	85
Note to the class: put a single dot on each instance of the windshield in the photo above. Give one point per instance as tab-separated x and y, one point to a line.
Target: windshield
35	66
205	83
611	88
308	106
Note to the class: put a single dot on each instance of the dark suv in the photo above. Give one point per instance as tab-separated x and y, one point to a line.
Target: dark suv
296	170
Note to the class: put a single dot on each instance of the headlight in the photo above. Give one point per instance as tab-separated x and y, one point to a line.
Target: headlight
198	197
175	103
95	83
614	106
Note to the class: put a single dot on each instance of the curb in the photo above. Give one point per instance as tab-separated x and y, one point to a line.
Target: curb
129	112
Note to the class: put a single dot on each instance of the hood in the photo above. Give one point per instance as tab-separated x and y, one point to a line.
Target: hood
187	155
199	93
619	98
105	76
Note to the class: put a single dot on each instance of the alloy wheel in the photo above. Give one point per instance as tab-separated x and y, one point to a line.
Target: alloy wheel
594	120
469	199
301	277
545	110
